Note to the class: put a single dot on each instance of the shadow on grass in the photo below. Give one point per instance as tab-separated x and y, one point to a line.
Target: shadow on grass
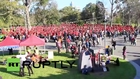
5	71
62	54
114	73
72	73
65	70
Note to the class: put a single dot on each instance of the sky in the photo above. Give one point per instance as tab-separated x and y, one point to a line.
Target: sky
80	4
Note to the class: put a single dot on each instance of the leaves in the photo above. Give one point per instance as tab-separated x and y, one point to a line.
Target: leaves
69	14
9	10
45	12
100	12
88	11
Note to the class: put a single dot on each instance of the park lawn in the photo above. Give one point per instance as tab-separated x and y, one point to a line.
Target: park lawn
124	71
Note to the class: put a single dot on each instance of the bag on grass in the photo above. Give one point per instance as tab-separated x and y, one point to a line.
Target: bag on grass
84	71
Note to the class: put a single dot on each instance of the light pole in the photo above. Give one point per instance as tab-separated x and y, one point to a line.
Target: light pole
105	20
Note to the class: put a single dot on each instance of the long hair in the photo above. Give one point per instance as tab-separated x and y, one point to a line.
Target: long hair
124	48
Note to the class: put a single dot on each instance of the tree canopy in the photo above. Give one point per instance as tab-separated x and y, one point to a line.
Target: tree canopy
45	12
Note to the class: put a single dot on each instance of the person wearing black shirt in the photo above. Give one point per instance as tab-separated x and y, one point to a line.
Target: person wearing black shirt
114	44
10	51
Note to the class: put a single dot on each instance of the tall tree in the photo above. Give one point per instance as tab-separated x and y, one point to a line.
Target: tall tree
53	16
9	11
47	13
130	11
100	12
88	11
115	5
69	14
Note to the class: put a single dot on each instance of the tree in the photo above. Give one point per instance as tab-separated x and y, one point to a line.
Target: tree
100	12
115	5
47	14
53	16
39	11
69	14
9	11
130	11
88	11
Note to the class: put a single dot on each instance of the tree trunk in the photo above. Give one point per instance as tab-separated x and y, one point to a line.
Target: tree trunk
129	20
112	4
138	22
28	18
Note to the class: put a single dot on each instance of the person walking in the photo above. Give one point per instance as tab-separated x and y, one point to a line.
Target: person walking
124	52
114	44
125	38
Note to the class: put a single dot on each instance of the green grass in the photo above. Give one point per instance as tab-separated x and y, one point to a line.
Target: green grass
125	71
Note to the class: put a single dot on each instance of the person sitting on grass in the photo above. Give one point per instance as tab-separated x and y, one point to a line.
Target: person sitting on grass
107	60
43	59
117	62
33	58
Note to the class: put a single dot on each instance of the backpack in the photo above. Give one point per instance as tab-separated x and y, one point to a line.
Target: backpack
85	71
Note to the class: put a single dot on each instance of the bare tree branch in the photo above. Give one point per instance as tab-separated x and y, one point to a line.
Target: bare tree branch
110	1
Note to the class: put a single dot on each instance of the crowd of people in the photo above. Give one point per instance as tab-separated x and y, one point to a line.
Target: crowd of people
75	38
88	34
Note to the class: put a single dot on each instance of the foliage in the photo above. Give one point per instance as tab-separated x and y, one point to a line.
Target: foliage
9	12
69	14
88	11
80	22
45	12
117	19
100	12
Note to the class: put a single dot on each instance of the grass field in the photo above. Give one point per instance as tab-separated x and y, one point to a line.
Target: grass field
125	71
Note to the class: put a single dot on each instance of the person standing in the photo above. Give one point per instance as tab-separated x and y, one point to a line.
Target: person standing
108	51
21	72
125	38
114	44
36	51
73	50
124	52
88	44
58	43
